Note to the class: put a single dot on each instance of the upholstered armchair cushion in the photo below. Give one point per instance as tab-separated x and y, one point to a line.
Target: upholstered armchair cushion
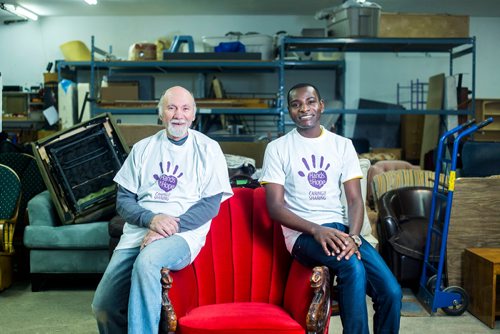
62	249
45	232
41	211
480	158
383	166
244	280
402	229
401	178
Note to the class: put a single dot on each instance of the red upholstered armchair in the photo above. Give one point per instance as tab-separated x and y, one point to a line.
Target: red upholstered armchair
244	280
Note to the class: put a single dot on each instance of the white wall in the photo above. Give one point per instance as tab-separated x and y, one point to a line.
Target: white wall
487	32
26	48
380	73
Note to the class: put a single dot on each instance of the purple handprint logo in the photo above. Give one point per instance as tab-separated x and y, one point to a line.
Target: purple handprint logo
317	179
167	182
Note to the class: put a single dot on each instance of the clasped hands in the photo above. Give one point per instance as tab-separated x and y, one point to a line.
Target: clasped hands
161	226
336	243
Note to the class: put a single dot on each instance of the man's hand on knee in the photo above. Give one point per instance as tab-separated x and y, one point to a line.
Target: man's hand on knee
150	237
332	240
164	225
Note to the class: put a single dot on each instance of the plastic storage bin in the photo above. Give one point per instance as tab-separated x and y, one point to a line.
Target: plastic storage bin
260	43
353	19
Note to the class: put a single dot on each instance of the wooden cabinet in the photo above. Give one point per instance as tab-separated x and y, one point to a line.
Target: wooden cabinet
488	108
481	269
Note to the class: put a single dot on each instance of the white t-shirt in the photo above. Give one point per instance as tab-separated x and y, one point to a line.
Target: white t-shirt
311	171
169	179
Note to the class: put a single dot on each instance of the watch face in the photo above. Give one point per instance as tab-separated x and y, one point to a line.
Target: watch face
357	240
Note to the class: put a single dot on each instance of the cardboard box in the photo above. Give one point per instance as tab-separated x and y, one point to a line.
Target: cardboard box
120	91
15	103
132	133
423	25
49	77
254	150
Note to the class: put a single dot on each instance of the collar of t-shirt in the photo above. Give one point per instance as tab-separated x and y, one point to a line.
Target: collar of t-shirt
178	142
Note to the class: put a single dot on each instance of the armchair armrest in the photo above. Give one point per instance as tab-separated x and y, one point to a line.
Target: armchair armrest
320	308
41	210
307	297
388	224
184	297
168	318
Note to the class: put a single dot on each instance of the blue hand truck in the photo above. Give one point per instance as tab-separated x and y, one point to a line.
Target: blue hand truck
432	293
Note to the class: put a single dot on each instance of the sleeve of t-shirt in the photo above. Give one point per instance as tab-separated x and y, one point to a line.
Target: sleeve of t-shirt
216	176
200	213
130	210
128	175
351	168
272	167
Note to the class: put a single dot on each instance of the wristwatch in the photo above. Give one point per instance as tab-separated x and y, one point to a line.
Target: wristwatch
356	239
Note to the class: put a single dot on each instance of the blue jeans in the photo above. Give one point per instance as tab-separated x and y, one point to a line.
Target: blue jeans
356	279
129	294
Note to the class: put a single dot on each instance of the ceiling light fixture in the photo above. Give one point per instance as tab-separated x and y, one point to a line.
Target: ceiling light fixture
19	11
91	2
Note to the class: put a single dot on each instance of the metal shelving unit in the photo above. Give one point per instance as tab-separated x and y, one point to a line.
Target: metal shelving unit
455	47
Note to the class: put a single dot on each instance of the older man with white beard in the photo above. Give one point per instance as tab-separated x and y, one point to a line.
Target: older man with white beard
169	189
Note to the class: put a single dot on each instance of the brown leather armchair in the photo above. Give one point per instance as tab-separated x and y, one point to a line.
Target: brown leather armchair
402	229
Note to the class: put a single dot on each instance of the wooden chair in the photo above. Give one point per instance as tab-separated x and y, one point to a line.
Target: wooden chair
244	280
10	198
32	184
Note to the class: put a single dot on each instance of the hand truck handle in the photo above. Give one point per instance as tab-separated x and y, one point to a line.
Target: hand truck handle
468	123
485	122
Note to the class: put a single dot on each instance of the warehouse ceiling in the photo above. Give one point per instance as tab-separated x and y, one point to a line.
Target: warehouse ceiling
479	8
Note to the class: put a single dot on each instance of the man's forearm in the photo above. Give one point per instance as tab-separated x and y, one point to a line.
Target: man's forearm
355	214
291	220
200	213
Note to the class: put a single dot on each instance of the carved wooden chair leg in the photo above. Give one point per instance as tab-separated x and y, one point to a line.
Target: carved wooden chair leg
319	310
168	318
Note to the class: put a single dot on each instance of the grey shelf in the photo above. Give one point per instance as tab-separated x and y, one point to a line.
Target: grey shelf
455	47
376	44
201	111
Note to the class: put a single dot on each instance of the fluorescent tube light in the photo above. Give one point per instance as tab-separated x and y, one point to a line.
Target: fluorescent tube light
20	11
91	2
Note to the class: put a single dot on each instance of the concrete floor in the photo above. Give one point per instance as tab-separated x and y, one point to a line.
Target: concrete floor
436	324
67	309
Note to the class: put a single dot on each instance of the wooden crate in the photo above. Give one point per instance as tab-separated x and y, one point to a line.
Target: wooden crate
423	25
412	128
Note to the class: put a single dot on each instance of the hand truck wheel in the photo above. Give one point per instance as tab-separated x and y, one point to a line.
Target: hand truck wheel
431	284
458	307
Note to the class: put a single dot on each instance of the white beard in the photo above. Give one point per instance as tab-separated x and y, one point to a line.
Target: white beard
177	130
